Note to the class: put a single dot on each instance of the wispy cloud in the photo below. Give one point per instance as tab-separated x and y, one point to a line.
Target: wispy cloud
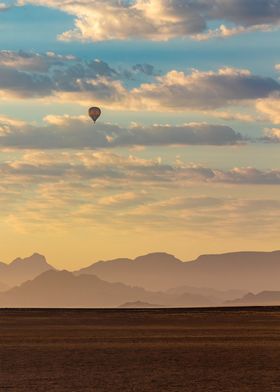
42	167
103	189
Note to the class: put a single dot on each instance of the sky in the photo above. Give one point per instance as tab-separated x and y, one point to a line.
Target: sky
185	157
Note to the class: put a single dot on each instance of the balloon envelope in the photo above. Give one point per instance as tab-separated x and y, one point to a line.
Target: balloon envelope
94	113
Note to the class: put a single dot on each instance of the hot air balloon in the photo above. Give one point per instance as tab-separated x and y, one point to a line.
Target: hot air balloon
94	113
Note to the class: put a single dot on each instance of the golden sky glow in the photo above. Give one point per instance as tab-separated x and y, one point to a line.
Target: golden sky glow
185	157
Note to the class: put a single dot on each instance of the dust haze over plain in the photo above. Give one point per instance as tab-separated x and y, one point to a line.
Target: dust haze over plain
158	279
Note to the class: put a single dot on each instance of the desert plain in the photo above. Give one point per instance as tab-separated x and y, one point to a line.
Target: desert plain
140	350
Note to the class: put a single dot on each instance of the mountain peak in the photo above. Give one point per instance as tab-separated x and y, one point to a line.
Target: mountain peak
157	258
23	269
35	258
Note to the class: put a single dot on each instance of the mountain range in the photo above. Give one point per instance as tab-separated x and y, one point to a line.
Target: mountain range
63	289
247	271
157	278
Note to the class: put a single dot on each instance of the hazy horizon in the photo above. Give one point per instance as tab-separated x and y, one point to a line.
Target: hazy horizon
152	280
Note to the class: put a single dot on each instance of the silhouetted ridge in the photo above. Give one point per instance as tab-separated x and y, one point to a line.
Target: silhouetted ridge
210	279
36	258
237	257
64	289
21	270
245	271
152	271
264	298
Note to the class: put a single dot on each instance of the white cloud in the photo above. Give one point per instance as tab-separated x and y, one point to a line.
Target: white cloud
99	20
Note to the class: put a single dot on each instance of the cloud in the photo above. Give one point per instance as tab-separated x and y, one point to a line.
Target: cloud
270	108
50	75
14	83
31	61
29	75
204	215
188	134
7	122
238	175
67	79
67	67
231	116
224	32
272	135
62	132
198	205
99	20
203	90
86	166
248	175
125	198
54	190
3	7
193	216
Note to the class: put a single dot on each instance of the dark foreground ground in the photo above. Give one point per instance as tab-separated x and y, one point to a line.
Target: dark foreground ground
140	350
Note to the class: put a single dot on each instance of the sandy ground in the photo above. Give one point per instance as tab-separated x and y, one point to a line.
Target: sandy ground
140	350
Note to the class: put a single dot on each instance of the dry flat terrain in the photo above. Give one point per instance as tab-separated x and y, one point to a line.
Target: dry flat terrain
140	350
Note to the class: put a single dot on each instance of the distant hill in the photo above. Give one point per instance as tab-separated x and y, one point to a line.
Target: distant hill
153	271
64	289
265	298
20	270
219	295
246	271
139	305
